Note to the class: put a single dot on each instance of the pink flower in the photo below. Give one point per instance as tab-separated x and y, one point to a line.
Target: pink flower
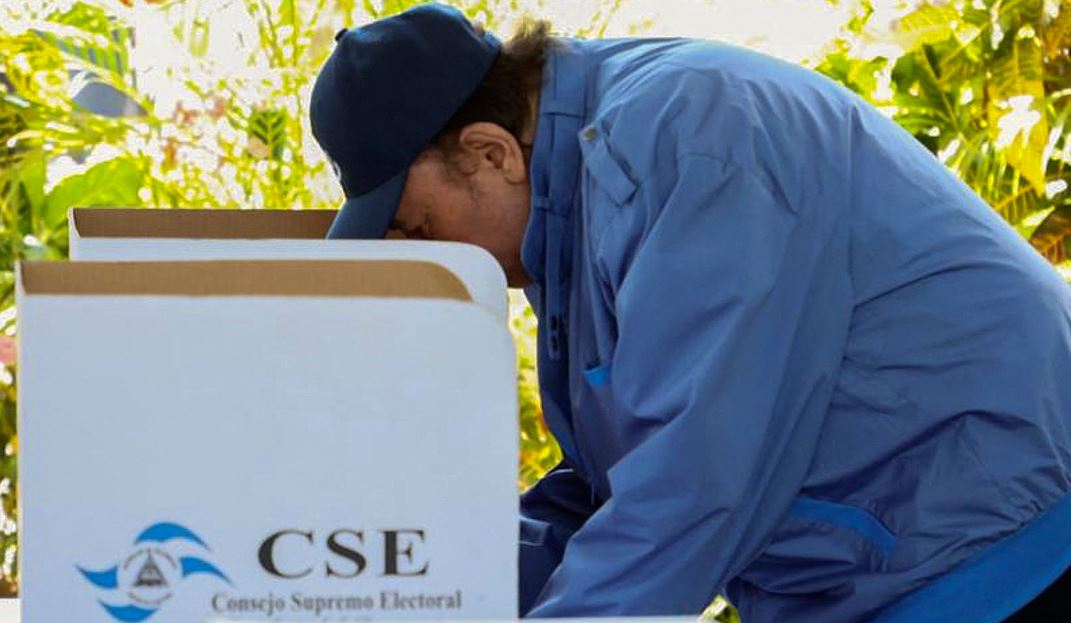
217	107
184	116
8	351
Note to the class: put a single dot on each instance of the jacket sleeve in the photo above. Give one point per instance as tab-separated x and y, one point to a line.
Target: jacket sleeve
551	511
731	325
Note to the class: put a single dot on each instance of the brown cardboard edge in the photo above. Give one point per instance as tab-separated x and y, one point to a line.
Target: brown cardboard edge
200	224
335	278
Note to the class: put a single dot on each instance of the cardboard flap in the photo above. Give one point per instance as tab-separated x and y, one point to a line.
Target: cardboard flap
371	278
211	224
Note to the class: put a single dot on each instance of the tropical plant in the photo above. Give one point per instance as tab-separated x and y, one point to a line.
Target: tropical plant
986	86
40	123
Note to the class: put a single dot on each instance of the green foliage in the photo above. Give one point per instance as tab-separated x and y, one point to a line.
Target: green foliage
720	611
114	182
986	86
268	126
92	37
539	452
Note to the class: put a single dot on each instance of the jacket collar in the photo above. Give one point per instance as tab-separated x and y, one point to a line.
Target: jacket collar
554	173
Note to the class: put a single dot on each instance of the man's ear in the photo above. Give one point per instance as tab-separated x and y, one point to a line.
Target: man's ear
491	145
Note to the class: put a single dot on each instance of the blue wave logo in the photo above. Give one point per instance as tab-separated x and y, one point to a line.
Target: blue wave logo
148	576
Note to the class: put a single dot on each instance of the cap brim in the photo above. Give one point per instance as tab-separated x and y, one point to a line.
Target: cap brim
370	215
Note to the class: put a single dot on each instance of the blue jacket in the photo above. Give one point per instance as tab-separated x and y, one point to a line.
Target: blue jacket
787	354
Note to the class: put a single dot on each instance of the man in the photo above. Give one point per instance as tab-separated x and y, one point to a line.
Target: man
786	353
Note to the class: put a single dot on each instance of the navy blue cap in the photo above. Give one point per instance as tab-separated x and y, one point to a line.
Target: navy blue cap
385	92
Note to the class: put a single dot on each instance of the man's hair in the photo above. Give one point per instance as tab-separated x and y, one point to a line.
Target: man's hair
503	96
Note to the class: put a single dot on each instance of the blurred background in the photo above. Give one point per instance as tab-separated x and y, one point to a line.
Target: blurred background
203	104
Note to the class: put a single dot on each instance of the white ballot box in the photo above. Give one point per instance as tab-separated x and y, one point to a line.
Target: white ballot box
110	234
263	440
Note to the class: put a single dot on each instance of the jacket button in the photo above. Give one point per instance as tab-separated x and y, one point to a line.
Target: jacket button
589	133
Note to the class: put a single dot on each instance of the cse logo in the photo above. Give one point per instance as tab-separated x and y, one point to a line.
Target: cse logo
292	554
160	560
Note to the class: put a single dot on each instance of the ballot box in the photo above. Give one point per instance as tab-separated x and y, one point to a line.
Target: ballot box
173	234
294	440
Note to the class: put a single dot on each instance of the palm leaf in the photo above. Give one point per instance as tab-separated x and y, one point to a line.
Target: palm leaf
88	33
1053	237
1017	72
930	23
35	71
269	127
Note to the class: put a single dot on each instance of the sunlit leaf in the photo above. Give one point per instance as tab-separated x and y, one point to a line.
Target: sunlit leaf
1016	114
31	174
860	76
112	183
35	71
929	23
